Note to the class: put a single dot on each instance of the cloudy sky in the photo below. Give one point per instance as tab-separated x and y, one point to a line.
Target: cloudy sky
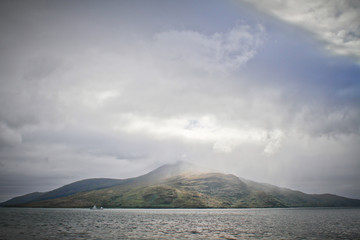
267	90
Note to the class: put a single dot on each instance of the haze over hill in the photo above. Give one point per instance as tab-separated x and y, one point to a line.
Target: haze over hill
177	185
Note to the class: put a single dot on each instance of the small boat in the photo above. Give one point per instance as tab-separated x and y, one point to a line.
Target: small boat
95	208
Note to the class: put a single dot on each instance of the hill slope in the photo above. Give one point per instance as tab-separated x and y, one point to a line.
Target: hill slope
99	183
69	189
177	186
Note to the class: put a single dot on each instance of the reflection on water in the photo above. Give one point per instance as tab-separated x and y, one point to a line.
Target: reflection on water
299	223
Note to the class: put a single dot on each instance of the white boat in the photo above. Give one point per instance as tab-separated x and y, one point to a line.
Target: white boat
95	208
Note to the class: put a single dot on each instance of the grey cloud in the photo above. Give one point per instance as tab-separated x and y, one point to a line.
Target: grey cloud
9	137
40	67
131	157
220	51
336	23
87	141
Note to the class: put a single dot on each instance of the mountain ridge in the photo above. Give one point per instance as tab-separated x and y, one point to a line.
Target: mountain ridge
178	185
88	184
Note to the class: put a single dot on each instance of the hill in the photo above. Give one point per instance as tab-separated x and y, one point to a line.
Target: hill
69	189
178	186
99	183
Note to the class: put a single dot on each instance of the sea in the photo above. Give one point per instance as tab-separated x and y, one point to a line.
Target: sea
286	223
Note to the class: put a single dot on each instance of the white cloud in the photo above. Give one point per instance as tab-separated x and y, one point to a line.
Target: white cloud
336	23
275	139
219	51
98	98
205	129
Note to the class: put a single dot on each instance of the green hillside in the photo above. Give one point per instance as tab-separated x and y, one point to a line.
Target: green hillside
69	189
177	186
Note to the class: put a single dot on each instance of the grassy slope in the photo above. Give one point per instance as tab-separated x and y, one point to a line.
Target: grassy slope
86	185
67	190
212	190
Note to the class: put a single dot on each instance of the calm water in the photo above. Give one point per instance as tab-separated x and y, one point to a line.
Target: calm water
299	223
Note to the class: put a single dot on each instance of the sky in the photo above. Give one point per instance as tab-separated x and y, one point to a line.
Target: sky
266	90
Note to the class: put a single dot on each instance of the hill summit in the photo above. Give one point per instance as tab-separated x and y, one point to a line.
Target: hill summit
178	185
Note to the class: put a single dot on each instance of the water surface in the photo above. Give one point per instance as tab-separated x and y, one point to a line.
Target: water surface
299	223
